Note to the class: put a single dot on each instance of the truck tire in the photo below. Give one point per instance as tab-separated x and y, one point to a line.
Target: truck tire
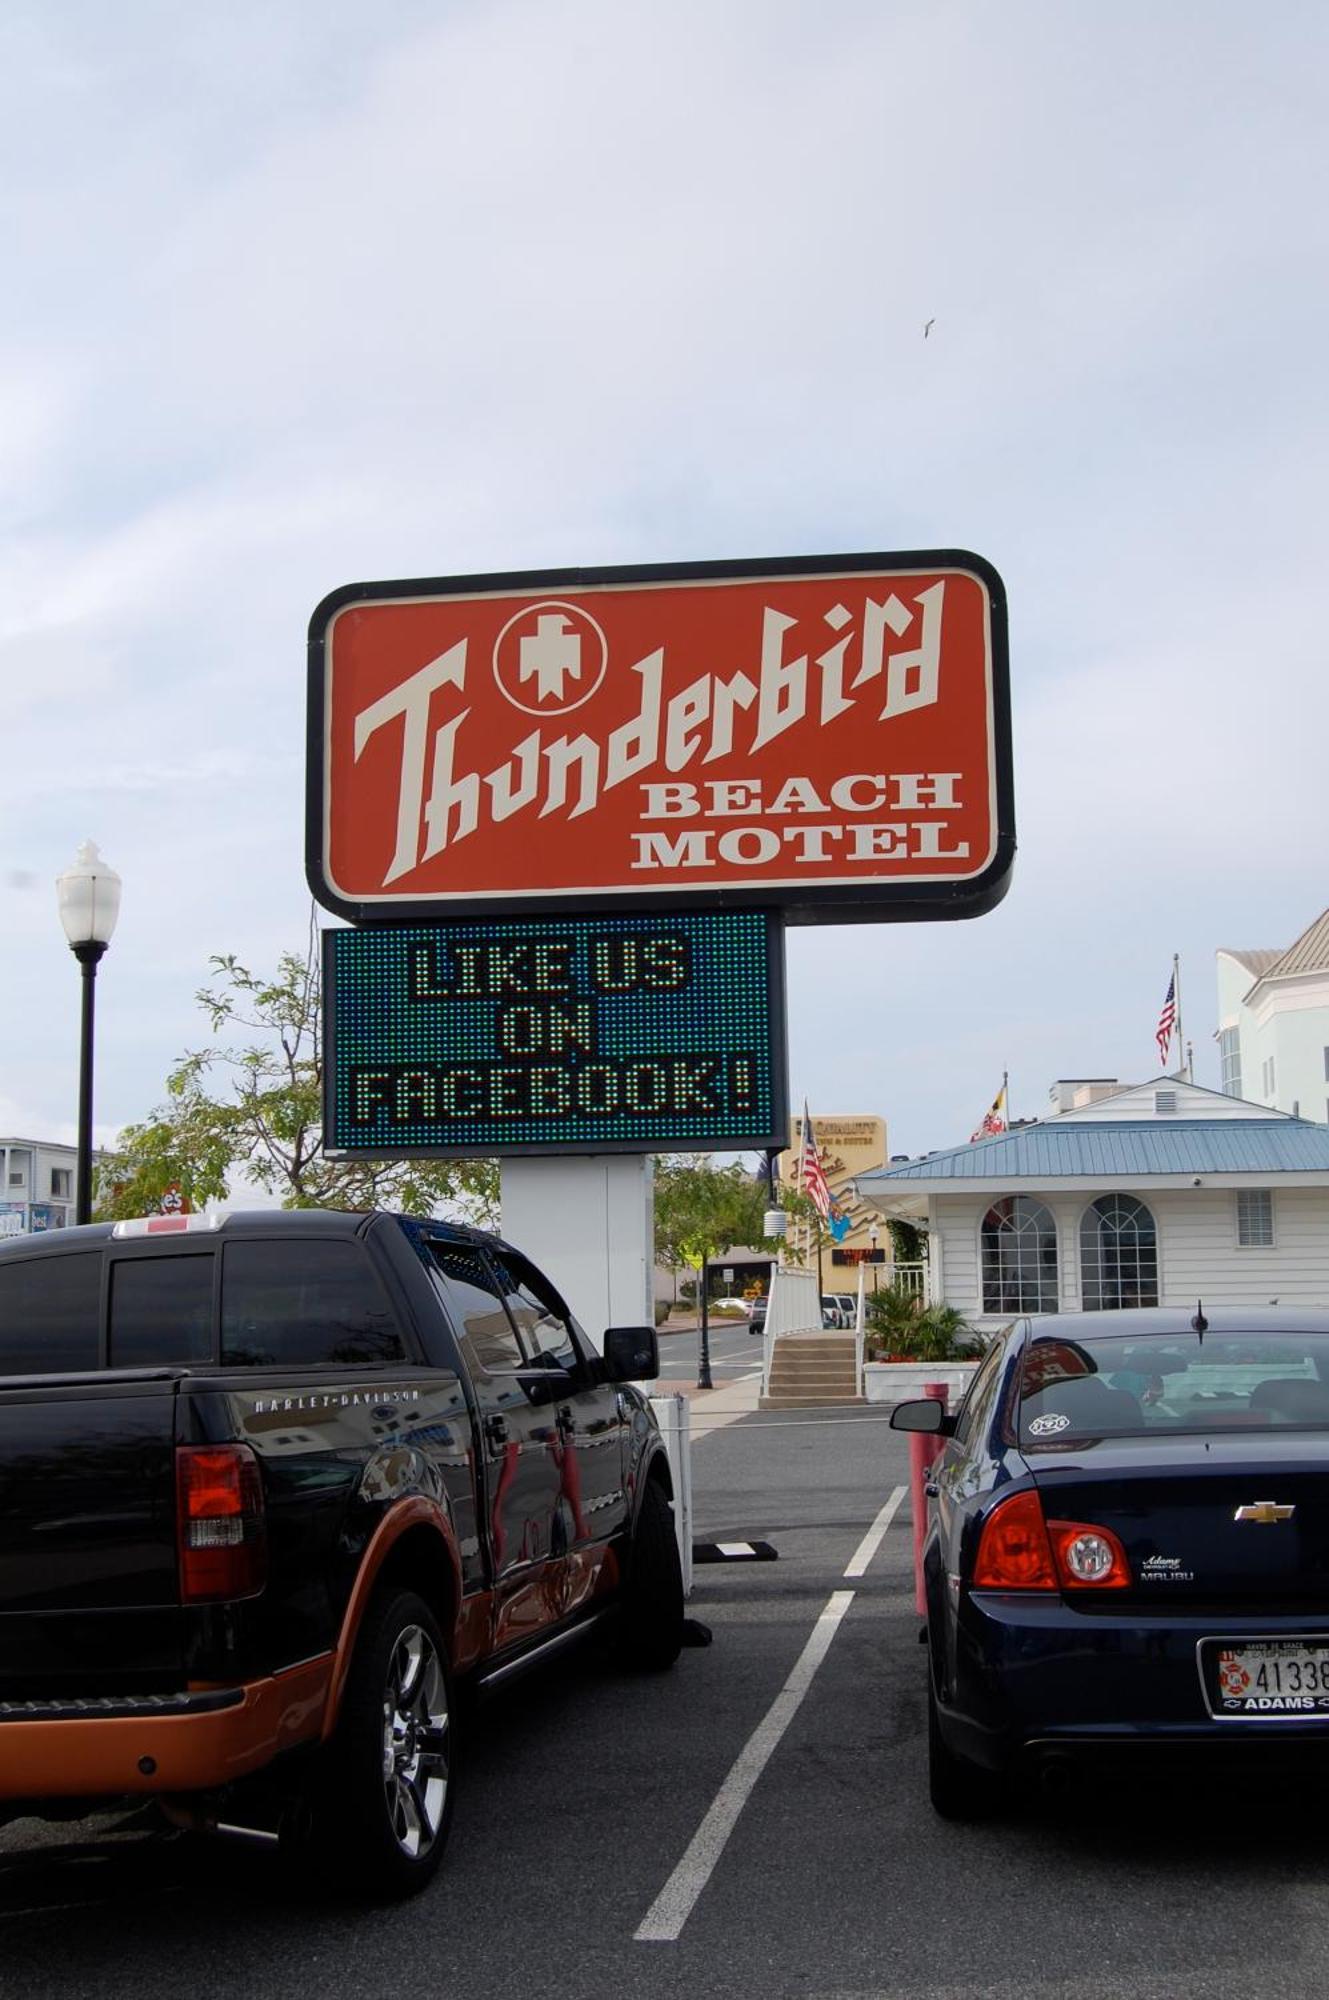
650	1633
379	1803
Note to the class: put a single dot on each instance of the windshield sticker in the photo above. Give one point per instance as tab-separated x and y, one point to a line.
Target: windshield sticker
1049	1425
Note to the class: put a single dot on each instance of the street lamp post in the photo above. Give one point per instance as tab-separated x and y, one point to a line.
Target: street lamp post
89	894
704	1379
873	1233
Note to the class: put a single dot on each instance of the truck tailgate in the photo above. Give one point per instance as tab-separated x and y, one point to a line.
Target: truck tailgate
89	1598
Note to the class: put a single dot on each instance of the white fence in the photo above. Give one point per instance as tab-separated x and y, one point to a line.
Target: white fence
912	1278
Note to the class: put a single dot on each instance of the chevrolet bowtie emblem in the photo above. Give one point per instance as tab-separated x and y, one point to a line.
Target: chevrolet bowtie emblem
1265	1512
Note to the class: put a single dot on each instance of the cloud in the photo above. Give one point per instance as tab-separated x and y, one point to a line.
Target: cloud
314	294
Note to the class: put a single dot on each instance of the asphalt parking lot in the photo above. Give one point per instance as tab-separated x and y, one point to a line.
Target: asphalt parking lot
753	1823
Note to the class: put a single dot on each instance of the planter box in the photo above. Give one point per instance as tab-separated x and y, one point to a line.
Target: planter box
900	1381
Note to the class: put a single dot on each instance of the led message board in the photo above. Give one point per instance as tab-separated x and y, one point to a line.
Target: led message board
828	736
613	1034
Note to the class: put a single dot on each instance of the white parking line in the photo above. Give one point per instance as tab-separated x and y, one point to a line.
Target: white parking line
673	1906
872	1541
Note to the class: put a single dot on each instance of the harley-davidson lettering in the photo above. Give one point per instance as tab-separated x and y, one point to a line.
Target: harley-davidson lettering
332	1399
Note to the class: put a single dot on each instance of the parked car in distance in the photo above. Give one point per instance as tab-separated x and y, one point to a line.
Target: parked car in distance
272	1486
848	1307
757	1317
1126	1548
833	1312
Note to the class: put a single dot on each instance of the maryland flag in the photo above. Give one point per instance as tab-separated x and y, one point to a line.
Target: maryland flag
995	1120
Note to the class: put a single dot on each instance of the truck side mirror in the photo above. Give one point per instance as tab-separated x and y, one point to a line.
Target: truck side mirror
632	1354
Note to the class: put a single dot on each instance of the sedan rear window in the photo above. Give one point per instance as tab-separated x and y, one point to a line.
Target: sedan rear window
1111	1386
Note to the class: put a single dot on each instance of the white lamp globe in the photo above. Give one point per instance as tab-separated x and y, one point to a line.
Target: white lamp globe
89	893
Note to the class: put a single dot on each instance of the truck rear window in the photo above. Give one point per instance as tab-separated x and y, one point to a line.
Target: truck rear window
161	1311
49	1313
304	1304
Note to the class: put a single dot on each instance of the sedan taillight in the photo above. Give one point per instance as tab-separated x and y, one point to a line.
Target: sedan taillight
1019	1550
1089	1556
220	1531
1014	1552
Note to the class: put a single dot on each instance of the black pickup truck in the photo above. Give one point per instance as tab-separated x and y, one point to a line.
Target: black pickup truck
271	1485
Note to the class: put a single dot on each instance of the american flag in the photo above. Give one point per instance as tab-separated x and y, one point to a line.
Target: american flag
1167	1021
815	1184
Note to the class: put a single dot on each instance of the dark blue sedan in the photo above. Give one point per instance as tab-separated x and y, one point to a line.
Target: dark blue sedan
1127	1549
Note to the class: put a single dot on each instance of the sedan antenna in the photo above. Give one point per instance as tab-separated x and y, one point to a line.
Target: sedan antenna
1200	1325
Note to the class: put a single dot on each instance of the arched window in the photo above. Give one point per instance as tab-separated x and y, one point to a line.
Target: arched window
1118	1255
1019	1248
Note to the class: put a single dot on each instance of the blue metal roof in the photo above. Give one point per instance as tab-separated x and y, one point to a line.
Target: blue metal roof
1104	1150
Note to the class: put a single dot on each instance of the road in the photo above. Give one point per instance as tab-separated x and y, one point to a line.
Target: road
723	1829
734	1349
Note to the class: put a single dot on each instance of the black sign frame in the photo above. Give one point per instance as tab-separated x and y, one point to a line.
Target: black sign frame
812	902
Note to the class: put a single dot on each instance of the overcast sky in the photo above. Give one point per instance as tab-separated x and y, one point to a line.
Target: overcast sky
301	294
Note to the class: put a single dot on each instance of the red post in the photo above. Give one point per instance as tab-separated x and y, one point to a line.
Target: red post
924	1451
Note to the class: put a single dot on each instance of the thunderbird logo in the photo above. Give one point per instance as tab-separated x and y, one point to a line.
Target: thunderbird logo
1265	1512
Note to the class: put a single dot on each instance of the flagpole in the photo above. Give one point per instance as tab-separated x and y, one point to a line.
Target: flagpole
804	1242
1176	994
810	1137
1006	1096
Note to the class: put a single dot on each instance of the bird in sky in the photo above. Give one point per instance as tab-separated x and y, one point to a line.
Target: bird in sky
928	326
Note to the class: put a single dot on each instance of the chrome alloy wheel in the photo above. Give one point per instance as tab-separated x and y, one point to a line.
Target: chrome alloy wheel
415	1742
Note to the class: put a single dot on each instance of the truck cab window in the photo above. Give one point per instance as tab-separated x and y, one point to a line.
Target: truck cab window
304	1304
50	1308
161	1311
540	1314
487	1333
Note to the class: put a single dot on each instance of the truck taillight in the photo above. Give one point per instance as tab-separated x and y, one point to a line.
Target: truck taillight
219	1522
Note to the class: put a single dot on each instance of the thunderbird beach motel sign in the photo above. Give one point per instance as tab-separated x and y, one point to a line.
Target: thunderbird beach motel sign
570	813
827	737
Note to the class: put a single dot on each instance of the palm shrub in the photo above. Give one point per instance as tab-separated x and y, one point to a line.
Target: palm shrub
899	1327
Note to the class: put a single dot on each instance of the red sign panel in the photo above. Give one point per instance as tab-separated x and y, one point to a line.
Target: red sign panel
828	736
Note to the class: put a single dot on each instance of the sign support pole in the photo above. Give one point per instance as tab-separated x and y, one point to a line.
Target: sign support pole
589	1221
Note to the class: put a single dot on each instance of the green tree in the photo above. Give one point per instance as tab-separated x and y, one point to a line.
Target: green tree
909	1241
251	1104
701	1208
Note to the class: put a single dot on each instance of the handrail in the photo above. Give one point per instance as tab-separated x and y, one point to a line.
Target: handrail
794	1306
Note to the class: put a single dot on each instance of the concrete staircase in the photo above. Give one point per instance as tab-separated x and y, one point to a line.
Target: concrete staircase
808	1369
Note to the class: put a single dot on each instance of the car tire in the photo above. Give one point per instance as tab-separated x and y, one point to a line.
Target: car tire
378	1804
650	1628
957	1788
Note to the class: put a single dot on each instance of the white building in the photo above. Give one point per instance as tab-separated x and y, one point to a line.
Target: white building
1273	1024
1157	1195
37	1190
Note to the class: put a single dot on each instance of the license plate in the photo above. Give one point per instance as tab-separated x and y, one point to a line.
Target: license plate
1250	1678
